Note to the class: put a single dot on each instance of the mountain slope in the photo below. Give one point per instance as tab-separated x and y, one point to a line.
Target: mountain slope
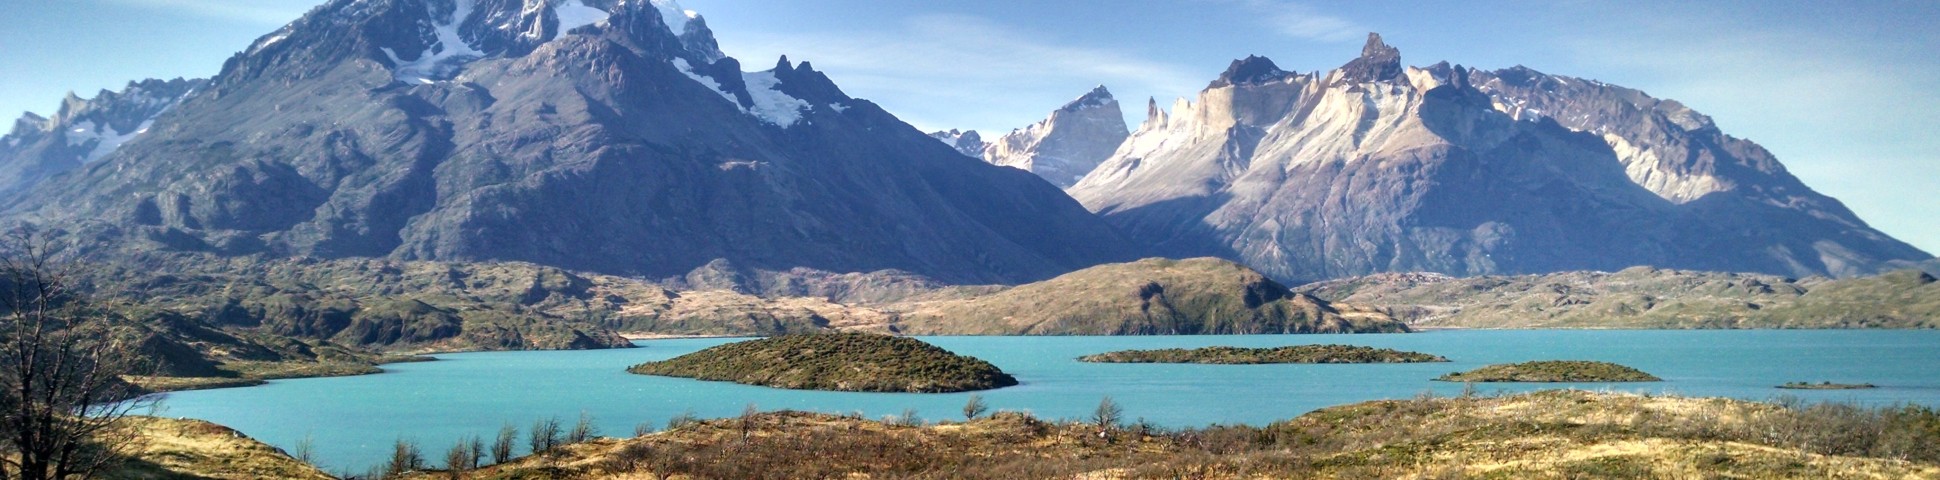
1374	167
599	136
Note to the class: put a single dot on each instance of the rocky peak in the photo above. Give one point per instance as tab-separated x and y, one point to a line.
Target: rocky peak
1253	69
969	143
1378	63
1098	97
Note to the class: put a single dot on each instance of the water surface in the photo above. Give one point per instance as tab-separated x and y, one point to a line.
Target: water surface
352	421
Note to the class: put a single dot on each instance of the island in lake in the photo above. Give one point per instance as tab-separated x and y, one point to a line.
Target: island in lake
1826	386
1551	371
853	362
1244	356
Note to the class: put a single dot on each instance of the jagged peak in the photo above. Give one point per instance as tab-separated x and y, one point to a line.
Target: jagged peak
1097	97
1378	63
1253	69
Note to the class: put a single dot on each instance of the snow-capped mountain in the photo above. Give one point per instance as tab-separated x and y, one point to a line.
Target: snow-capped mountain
969	143
1067	145
599	135
1376	167
83	131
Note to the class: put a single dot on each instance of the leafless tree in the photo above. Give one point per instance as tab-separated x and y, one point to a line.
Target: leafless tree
544	435
974	407
502	447
60	370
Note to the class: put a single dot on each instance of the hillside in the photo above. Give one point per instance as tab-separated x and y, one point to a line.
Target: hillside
1147	297
1555	434
1645	297
854	362
165	448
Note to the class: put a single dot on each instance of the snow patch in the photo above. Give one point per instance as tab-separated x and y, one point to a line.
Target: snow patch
444	57
770	104
675	17
838	108
685	68
574	14
106	139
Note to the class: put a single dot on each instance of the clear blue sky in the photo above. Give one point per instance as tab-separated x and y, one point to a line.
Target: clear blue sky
1843	92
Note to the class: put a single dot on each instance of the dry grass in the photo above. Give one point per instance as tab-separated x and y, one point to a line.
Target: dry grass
1561	434
168	448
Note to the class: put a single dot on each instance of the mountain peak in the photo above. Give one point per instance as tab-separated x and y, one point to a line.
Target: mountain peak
1378	62
1097	97
1253	69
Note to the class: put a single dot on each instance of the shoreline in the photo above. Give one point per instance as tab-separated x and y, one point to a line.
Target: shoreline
674	336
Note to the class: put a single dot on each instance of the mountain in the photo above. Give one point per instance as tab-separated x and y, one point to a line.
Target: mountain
1154	296
1375	167
969	143
594	135
1068	144
1644	297
82	131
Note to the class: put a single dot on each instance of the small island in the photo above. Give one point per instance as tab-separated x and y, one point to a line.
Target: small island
1826	386
1553	371
1248	356
851	362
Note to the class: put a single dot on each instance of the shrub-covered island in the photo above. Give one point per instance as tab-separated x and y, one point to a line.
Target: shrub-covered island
1826	386
1553	371
854	362
1287	354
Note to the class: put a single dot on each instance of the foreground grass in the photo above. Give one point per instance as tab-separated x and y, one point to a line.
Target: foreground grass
176	449
1554	434
1288	354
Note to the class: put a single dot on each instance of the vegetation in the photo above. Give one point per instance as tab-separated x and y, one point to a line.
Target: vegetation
858	362
1552	371
1553	434
1644	297
1148	297
1826	386
1288	354
61	368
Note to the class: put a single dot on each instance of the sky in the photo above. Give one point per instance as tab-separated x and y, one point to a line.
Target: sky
1844	93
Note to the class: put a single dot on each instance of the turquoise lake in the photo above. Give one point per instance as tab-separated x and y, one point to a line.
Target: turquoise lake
353	421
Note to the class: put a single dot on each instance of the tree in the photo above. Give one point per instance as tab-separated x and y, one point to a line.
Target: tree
1108	415
476	451
502	447
975	407
583	430
456	459
544	435
406	457
61	368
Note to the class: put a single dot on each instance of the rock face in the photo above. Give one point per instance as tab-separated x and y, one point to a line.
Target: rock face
83	131
1374	167
1068	144
1154	296
593	135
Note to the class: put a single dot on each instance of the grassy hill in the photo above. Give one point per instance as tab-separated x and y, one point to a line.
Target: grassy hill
856	362
1146	297
1646	298
166	448
1288	354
